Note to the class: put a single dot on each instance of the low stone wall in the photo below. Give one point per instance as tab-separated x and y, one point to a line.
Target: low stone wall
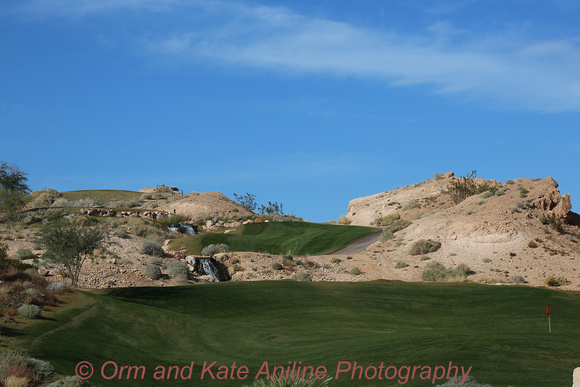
124	214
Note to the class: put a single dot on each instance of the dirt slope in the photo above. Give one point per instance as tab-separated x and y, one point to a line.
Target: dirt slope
205	204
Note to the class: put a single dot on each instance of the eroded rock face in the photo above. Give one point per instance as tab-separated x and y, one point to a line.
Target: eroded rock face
563	207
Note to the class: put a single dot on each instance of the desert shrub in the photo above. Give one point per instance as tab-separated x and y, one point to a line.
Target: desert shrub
181	278
40	368
400	265
25	254
310	265
152	248
459	382
56	287
532	244
288	260
434	271
556	222
392	223
121	233
153	272
70	381
302	277
213	249
556	281
277	266
343	220
33	292
461	270
156	261
466	186
29	311
335	260
423	246
176	268
518	279
486	260
355	271
425	258
413	203
283	382
387	235
486	195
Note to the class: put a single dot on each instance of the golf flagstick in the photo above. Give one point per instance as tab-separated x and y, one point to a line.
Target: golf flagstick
549	322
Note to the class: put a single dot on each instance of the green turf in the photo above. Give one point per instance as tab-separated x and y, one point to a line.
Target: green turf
500	331
103	195
299	238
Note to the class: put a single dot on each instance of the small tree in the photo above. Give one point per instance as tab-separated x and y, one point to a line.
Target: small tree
70	243
248	201
13	190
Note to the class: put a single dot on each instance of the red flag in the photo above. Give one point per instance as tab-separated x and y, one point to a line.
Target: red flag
548	309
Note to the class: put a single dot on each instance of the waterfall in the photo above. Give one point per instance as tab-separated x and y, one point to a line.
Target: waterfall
209	268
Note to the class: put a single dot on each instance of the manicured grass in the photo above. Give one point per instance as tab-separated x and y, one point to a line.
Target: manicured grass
500	331
103	195
299	238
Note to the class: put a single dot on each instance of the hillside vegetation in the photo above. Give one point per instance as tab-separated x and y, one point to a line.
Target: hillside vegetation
298	238
501	332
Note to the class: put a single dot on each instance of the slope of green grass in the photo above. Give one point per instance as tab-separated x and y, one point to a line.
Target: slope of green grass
299	238
501	332
103	195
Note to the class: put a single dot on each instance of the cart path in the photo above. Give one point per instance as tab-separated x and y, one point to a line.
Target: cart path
358	245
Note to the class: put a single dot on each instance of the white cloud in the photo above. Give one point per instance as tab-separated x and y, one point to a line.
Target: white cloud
510	72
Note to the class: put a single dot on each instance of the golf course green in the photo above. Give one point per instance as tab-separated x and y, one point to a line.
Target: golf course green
298	238
132	336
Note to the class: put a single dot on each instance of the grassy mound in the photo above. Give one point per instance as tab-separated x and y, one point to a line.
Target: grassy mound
103	195
501	332
299	238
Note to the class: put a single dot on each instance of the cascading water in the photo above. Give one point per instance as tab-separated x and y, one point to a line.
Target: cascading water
209	268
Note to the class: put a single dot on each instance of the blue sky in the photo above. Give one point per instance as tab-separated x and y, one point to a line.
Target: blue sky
307	103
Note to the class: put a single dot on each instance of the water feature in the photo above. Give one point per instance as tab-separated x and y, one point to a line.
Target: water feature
209	268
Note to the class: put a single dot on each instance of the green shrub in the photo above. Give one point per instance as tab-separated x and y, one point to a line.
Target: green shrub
400	265
518	279
277	266
486	195
486	260
355	271
213	249
152	248
423	246
425	258
153	272
29	311
392	223
310	265
302	277
156	261
25	254
335	260
176	268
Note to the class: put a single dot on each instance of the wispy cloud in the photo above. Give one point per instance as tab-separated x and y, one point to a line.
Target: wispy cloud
513	73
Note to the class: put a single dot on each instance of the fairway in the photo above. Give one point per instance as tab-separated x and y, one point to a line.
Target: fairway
499	331
298	238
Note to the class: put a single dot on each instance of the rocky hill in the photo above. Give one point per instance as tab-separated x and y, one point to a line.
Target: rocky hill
521	228
205	204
